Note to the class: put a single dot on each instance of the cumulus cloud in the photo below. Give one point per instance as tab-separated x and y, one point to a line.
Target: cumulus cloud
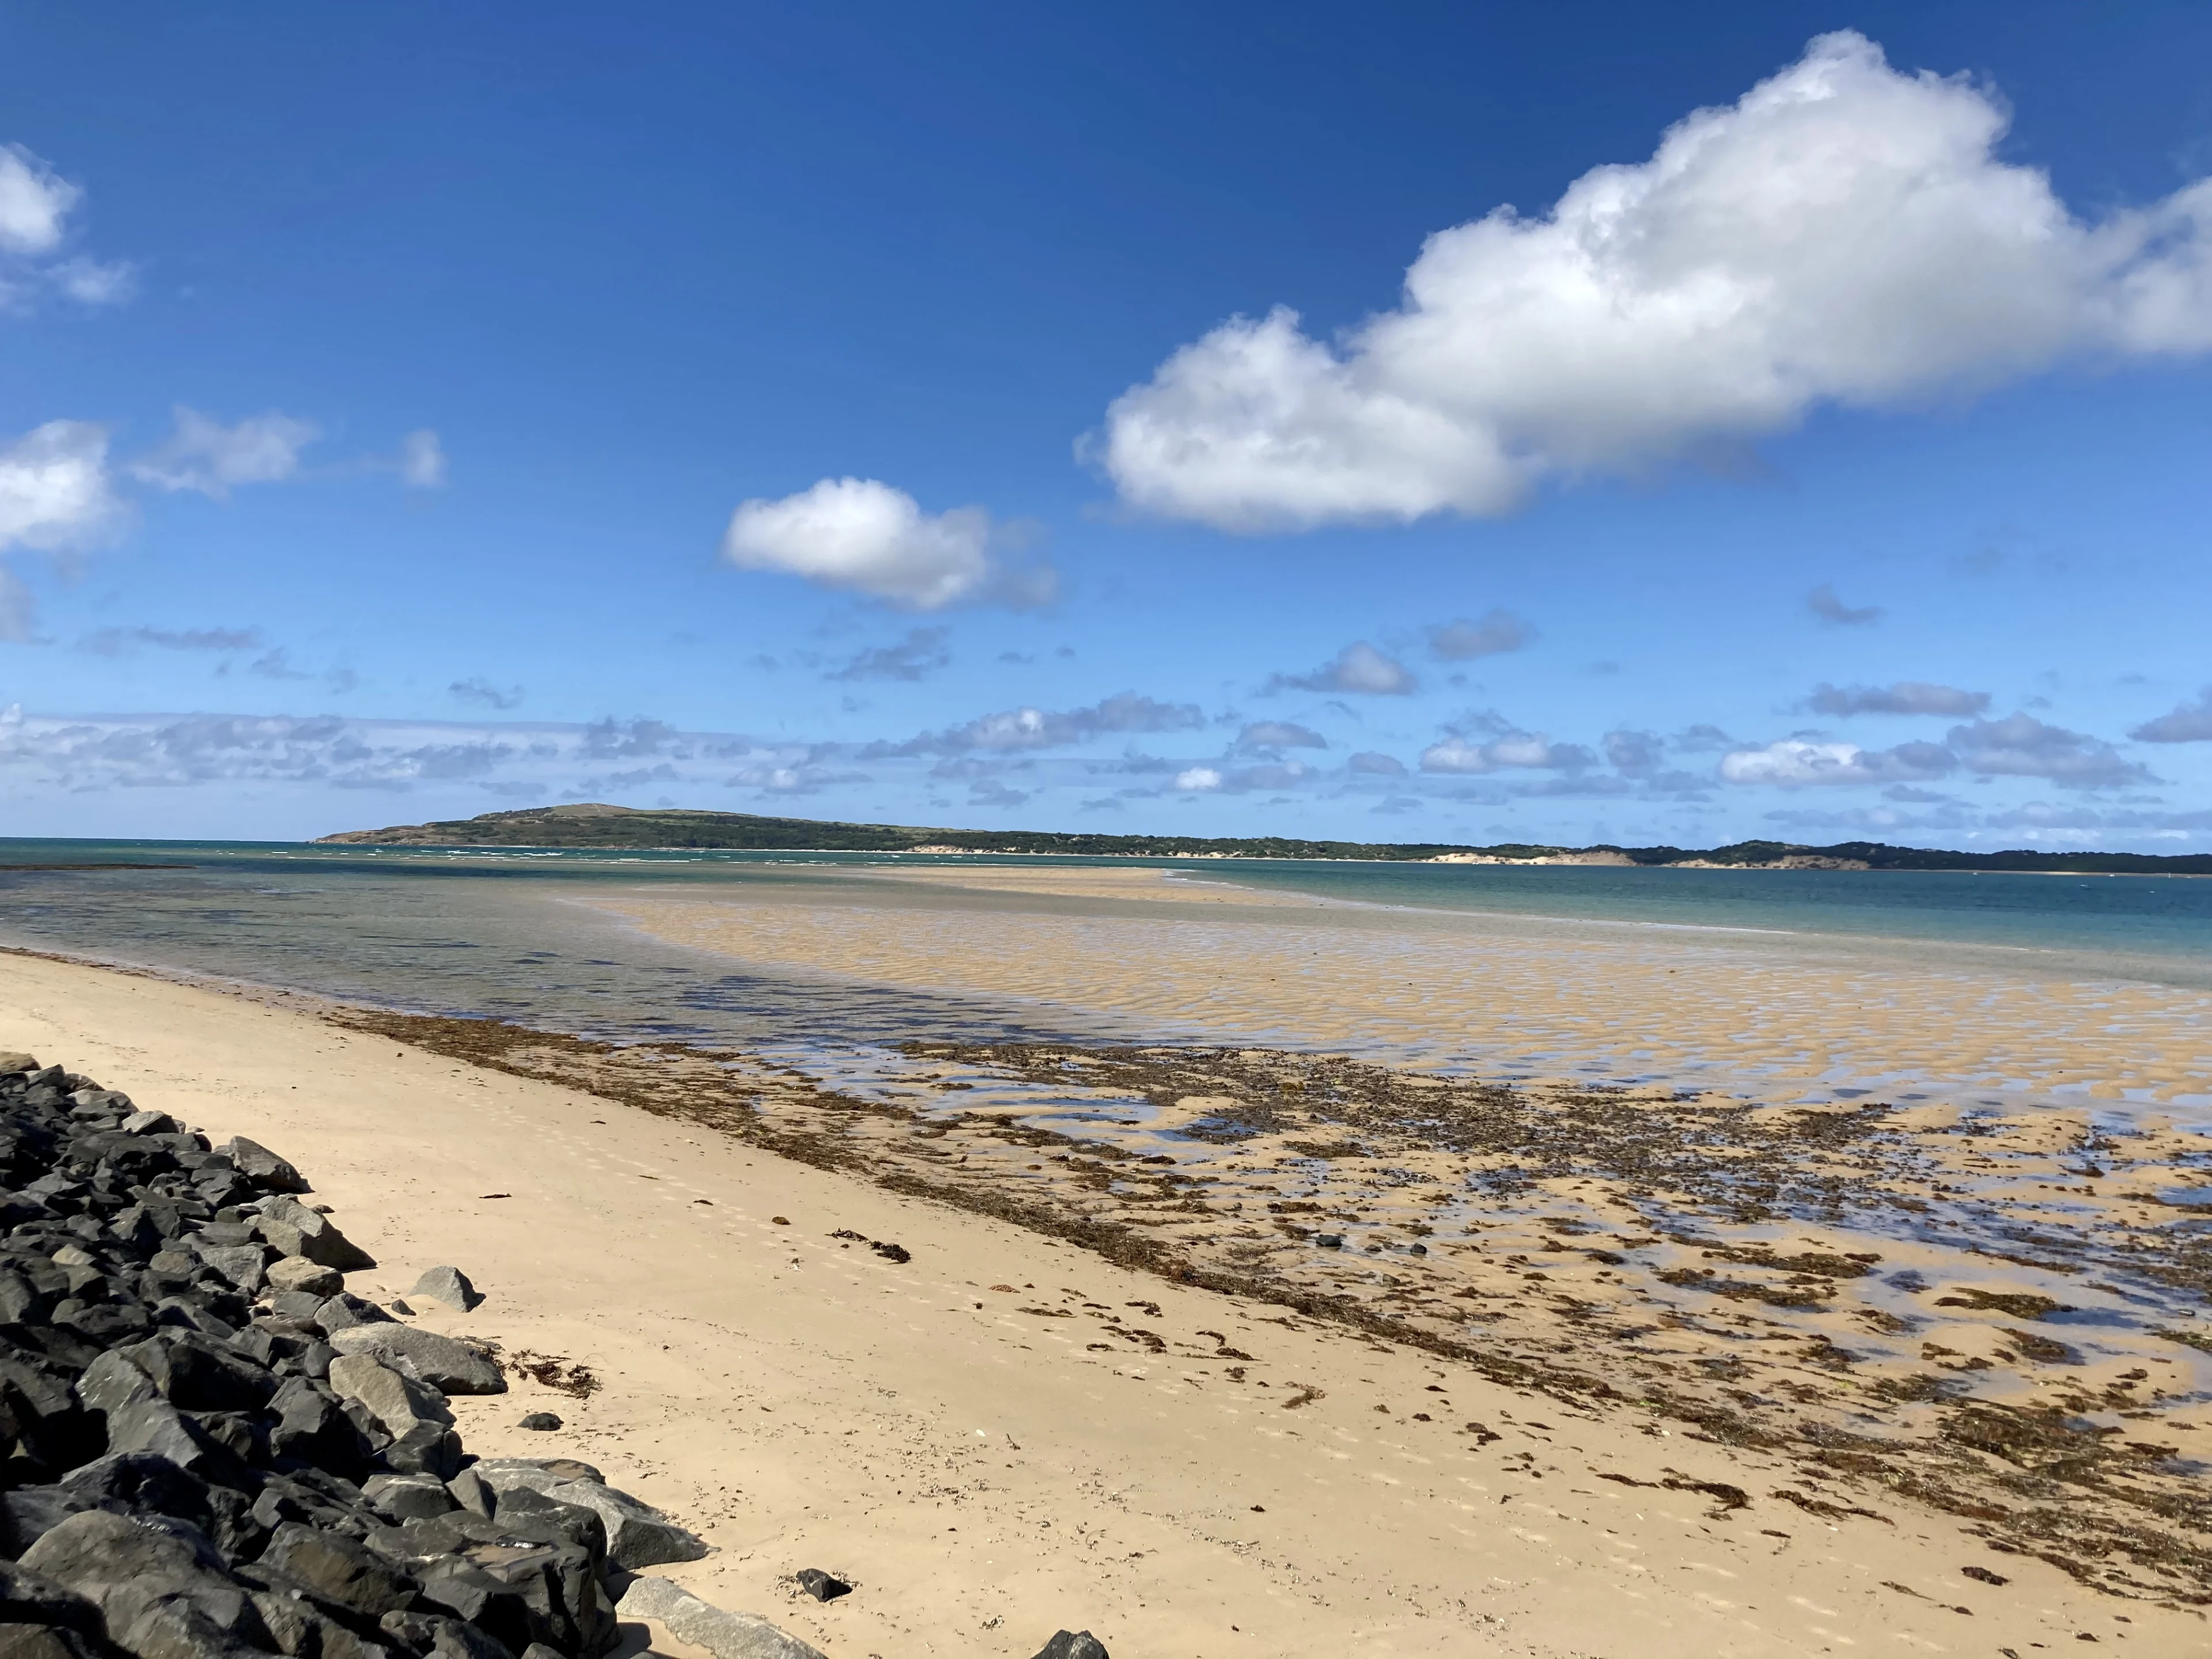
1843	234
868	537
35	205
1633	754
1372	764
2188	722
1280	734
919	654
1823	603
1197	778
481	692
1795	762
1358	668
1904	697
2022	746
56	494
1510	749
1493	634
205	455
1016	729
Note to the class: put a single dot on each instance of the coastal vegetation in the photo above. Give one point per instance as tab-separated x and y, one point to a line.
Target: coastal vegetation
593	825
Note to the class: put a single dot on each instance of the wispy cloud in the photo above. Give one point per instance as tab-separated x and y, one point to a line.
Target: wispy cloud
120	642
36	203
1492	635
1904	697
1823	603
2186	722
919	654
482	693
1360	669
204	455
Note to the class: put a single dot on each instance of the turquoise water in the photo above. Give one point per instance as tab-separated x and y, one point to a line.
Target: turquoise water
470	932
2123	916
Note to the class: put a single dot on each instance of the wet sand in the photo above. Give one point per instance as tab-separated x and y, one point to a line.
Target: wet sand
1349	1344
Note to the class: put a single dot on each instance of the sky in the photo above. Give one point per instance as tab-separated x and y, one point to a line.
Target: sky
1586	423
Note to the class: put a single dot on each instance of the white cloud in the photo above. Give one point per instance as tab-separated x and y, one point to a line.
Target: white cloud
2022	746
1126	712
1455	755
864	536
1843	234
1198	778
921	653
1497	632
1904	697
55	489
35	203
2188	722
422	460
205	455
1280	734
1358	668
1795	762
1374	764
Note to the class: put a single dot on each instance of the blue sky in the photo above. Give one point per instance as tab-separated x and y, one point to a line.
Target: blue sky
1596	423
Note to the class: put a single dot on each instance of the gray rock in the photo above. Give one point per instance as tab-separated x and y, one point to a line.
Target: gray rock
337	1569
638	1535
16	1060
345	1310
153	1424
297	1272
471	1492
1072	1645
822	1586
241	1264
135	1566
724	1634
294	1230
148	1123
536	1472
301	1308
112	1382
48	1642
408	1497
263	1167
543	1422
26	1598
395	1399
449	1285
444	1364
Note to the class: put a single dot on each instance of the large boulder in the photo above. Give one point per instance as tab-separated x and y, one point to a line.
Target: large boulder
638	1535
724	1634
292	1229
446	1365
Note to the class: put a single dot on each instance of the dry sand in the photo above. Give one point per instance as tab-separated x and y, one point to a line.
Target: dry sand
940	1432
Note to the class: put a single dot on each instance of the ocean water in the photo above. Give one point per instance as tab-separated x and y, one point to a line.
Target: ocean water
499	933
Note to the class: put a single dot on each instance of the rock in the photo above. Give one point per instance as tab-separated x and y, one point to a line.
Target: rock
408	1497
16	1060
241	1264
724	1634
148	1123
441	1637
49	1642
112	1380
292	1229
470	1492
332	1568
1072	1645
297	1272
345	1310
263	1167
449	1285
545	1422
822	1586
397	1400
28	1598
1325	1240
638	1535
134	1566
453	1367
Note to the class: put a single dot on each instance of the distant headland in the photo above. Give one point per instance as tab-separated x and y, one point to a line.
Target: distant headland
592	825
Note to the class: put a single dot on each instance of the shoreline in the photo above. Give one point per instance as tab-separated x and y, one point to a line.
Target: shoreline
1334	1342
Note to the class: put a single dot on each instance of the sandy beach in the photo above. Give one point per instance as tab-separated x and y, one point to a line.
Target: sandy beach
1011	1431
